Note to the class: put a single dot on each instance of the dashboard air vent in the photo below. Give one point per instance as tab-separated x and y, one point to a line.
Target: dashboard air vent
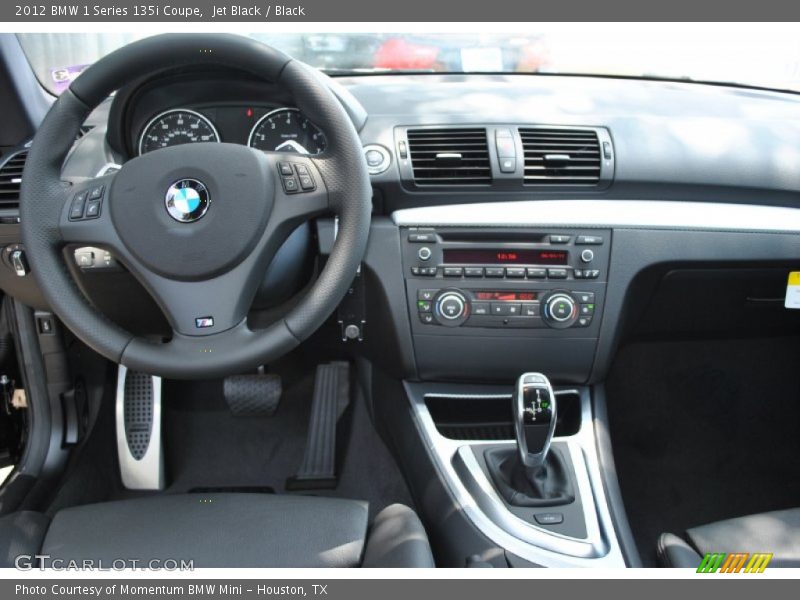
10	179
449	156
560	156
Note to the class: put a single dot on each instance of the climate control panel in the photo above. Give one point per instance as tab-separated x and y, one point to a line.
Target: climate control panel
529	308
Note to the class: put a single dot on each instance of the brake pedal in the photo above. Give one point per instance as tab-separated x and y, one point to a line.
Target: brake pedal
138	419
252	395
331	397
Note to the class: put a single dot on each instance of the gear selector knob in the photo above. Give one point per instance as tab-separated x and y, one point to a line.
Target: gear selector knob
534	410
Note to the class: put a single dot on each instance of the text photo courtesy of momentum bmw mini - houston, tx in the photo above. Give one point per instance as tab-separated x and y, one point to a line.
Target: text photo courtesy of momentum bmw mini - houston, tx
288	290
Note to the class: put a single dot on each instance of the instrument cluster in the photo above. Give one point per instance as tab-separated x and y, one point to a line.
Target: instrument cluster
281	129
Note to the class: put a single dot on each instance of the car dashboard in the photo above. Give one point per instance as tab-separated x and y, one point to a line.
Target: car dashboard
520	222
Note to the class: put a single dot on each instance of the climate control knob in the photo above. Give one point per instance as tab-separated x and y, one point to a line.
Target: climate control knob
560	310
452	308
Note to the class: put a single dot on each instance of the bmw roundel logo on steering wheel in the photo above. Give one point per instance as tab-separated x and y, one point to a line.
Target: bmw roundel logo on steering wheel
187	200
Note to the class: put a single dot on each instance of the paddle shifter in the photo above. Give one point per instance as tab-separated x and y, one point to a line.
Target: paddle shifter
534	408
531	475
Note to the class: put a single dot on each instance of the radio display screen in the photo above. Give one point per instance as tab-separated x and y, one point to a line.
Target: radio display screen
507	296
506	256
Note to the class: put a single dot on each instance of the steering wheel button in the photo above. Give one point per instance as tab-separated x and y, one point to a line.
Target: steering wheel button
93	209
96	193
306	182
78	204
285	168
290	185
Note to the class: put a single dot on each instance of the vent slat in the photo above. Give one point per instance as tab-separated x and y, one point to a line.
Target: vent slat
567	168
581	146
10	175
471	168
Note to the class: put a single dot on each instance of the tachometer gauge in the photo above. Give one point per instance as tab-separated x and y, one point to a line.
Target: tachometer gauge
287	130
175	127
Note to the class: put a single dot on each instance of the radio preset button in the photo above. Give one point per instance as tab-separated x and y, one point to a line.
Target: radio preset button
537	273
495	271
453	271
473	271
557	273
515	272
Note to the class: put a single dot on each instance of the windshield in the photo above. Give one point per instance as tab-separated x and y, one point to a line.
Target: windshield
754	55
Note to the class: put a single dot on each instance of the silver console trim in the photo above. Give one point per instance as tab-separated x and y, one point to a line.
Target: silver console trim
481	505
645	214
146	473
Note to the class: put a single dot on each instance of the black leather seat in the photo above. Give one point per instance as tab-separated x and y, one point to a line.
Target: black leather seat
775	532
223	530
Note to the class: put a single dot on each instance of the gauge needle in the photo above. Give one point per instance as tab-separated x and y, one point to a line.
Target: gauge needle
292	145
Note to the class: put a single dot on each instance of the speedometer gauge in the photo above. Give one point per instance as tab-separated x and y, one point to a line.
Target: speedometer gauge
287	130
175	127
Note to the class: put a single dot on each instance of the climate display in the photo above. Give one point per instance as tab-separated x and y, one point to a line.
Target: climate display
506	296
510	256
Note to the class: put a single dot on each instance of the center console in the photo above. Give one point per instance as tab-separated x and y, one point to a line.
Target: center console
505	298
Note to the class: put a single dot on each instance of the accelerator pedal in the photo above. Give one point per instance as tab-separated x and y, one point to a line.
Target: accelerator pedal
331	397
138	421
255	395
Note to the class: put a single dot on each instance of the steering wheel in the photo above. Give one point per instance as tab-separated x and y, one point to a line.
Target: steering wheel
196	224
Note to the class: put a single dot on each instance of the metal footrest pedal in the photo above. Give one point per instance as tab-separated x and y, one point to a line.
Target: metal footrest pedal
331	398
138	421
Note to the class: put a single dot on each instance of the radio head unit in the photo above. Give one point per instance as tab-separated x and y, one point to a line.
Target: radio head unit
511	278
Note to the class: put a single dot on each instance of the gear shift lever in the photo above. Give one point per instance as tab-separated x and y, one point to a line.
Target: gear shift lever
534	408
529	475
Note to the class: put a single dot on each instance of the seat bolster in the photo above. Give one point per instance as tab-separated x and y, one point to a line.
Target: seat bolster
21	533
776	532
397	538
673	552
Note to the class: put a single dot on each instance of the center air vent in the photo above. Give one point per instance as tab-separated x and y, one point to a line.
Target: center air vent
10	179
449	156
560	156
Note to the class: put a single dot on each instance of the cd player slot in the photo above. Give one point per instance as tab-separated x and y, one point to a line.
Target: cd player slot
492	237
